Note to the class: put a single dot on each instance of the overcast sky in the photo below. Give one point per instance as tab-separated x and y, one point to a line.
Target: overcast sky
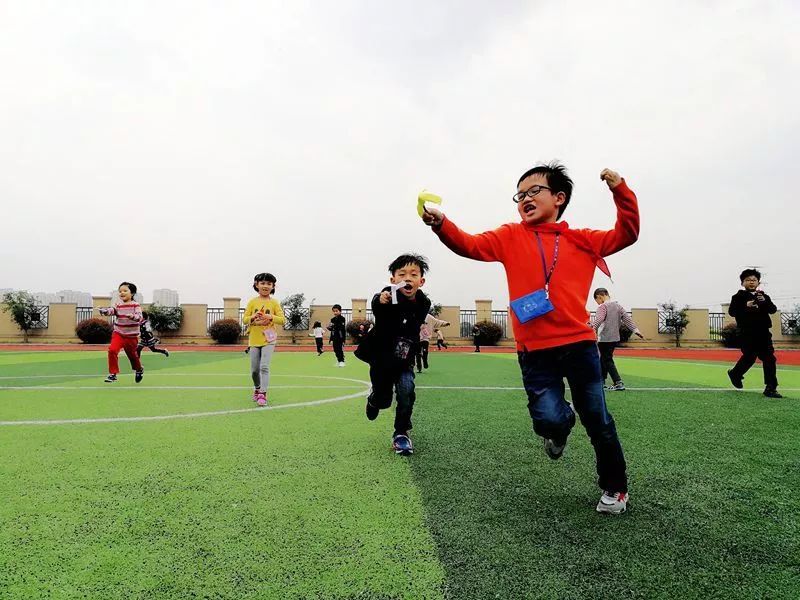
190	145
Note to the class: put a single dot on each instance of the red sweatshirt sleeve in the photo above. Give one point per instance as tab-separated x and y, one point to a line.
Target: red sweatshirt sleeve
626	229
487	246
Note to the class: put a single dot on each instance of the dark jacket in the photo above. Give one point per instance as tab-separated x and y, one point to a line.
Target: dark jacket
394	324
755	319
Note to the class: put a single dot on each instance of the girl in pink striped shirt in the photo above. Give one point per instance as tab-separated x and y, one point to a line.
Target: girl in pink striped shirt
126	332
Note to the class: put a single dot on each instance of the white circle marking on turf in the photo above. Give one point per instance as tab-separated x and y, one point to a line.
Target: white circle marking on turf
358	394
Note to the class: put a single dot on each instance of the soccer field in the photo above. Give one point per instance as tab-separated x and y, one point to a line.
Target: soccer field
179	487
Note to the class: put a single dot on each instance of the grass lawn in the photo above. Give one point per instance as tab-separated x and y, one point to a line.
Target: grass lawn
179	488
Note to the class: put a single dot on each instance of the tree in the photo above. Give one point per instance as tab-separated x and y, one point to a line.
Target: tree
675	320
296	315
165	318
24	311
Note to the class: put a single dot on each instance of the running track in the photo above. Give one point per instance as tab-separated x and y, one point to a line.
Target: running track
785	357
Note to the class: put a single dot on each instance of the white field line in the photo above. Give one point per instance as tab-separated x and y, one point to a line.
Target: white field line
172	387
183	416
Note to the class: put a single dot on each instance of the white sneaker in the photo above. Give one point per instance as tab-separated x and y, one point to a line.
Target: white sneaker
613	504
341	364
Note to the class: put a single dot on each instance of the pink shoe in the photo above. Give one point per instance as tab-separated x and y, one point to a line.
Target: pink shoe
262	399
255	395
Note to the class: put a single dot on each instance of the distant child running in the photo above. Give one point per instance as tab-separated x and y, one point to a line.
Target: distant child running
440	343
263	313
752	308
338	330
147	338
425	331
607	321
318	333
549	268
125	336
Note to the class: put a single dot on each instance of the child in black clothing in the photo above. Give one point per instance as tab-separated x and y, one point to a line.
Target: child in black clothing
752	309
338	333
390	347
147	338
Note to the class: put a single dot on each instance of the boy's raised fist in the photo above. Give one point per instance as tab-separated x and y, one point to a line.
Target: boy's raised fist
612	178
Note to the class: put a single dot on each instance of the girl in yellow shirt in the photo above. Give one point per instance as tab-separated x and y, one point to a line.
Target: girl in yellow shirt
262	315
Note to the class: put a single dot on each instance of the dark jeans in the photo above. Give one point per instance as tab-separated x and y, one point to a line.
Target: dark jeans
607	366
543	373
338	348
758	346
319	341
422	355
383	379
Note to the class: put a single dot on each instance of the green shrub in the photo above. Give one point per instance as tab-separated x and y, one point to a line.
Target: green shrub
165	318
94	331
489	333
731	336
225	331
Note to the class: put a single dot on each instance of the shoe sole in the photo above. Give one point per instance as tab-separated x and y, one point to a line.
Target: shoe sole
611	512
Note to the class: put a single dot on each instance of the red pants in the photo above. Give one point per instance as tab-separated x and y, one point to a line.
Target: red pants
119	342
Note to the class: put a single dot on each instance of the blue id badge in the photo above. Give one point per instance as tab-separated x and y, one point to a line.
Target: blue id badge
532	305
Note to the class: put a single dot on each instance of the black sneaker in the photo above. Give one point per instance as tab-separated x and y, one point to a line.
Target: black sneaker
772	393
139	376
735	380
372	411
619	387
401	444
553	450
110	379
166	352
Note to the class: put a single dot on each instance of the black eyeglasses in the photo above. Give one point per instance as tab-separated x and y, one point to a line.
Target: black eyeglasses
530	193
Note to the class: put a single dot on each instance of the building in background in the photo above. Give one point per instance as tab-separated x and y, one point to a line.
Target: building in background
63	296
165	297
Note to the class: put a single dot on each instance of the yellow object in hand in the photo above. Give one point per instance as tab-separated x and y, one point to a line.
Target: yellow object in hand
426	196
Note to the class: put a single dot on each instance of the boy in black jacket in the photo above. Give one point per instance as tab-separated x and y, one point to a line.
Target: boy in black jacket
390	347
752	309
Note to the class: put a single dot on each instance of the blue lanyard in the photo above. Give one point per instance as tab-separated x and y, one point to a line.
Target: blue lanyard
547	274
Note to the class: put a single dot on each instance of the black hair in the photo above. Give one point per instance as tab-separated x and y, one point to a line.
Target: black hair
131	286
600	292
749	273
336	307
557	179
316	324
145	315
264	277
410	259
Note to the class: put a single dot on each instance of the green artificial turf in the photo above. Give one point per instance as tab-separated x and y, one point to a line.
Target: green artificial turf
310	502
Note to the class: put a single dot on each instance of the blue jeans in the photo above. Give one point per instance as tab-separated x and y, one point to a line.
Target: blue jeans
543	373
385	377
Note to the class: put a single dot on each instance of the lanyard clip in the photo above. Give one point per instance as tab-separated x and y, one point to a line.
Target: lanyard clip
547	290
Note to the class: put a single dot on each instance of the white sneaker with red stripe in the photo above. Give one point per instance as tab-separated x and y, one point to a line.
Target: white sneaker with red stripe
613	504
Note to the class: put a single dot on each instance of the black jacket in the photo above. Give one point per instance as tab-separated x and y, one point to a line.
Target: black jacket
755	319
394	323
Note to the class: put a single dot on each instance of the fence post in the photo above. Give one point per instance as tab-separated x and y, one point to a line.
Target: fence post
483	310
231	307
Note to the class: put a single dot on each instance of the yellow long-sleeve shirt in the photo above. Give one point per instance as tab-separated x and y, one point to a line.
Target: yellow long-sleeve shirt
269	306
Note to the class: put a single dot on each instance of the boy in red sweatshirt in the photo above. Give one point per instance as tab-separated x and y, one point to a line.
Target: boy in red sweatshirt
549	268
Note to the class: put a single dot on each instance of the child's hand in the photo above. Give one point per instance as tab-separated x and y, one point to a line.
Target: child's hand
386	297
751	304
432	217
266	319
612	178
